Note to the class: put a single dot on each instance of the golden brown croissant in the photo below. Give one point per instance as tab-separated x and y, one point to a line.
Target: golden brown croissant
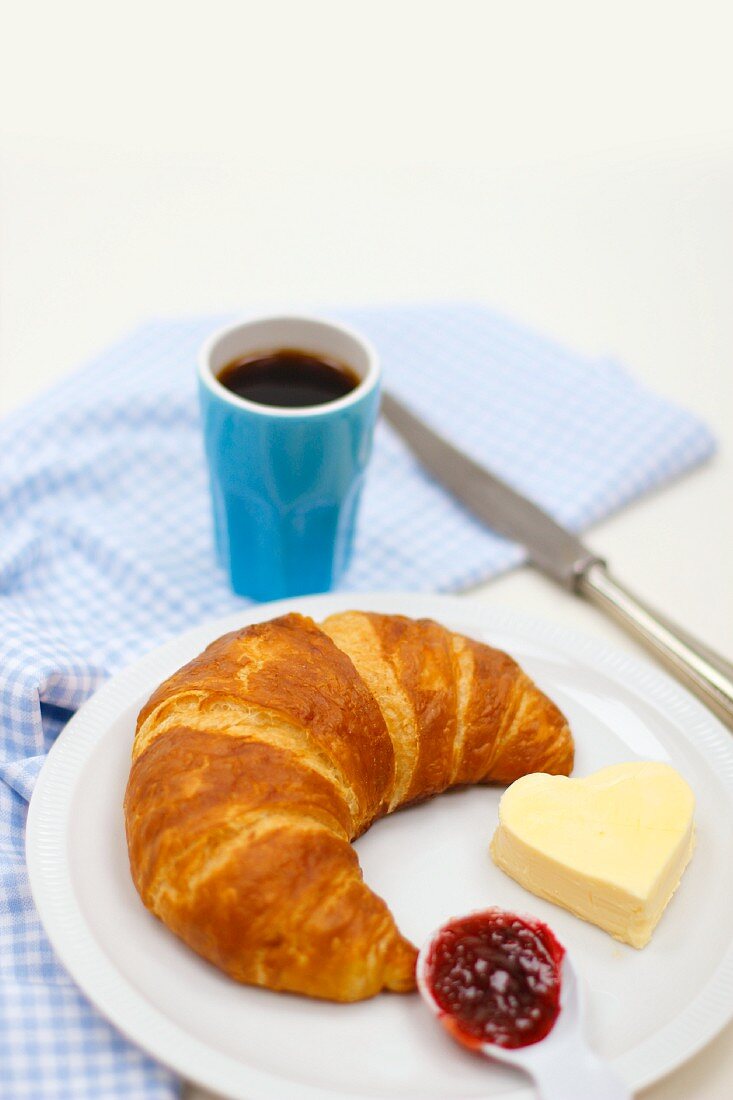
255	765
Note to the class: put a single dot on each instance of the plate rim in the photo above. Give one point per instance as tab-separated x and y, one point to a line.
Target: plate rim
146	1026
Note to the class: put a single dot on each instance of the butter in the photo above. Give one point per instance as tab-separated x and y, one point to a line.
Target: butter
611	847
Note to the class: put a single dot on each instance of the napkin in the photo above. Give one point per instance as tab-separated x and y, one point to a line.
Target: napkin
107	551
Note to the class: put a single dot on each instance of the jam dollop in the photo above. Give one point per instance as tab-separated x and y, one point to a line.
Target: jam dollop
496	978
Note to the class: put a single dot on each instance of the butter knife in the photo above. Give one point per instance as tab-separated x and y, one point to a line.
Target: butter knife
563	557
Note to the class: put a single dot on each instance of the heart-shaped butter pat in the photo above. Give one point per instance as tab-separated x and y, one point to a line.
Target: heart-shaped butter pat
611	847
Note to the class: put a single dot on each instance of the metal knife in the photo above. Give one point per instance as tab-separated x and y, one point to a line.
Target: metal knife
563	557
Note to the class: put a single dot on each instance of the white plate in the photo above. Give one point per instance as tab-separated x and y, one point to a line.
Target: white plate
648	1010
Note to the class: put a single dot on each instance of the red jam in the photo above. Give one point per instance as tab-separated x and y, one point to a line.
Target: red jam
496	977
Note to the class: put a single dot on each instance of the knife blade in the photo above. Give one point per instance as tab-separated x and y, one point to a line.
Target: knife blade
552	548
562	556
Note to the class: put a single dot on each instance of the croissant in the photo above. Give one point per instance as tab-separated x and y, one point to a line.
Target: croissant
257	764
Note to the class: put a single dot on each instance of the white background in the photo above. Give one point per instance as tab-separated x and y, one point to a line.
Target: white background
570	163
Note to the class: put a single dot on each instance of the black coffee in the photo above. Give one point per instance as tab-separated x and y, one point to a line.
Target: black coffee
288	377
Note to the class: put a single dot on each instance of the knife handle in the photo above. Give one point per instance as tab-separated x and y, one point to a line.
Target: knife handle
706	673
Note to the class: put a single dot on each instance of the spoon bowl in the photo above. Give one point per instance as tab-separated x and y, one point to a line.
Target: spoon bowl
562	1065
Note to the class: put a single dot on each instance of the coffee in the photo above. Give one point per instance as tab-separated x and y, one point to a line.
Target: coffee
288	378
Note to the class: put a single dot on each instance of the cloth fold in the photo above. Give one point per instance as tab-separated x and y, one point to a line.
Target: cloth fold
107	551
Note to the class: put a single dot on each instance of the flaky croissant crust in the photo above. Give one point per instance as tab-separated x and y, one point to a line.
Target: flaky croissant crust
257	764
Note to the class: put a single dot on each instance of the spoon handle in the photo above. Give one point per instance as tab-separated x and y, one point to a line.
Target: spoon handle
574	1072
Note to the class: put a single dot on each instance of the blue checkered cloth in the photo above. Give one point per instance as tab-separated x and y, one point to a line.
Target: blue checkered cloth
107	551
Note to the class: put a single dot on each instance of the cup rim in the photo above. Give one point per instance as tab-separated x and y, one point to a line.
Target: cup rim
367	384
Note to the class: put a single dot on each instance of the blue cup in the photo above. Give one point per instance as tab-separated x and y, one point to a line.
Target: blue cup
286	482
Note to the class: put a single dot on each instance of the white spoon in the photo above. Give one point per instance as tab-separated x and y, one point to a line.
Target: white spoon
562	1064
